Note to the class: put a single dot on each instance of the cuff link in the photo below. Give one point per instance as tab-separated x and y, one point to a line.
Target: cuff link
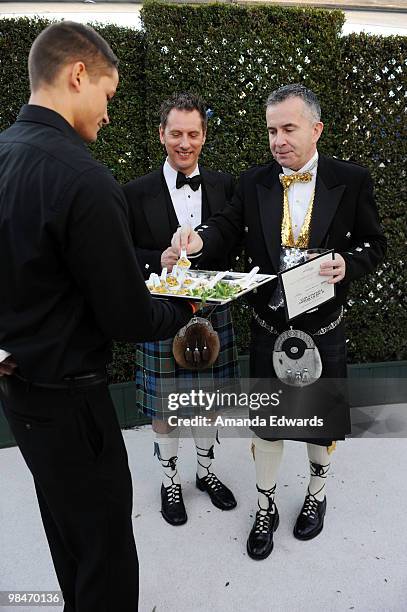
348	235
147	266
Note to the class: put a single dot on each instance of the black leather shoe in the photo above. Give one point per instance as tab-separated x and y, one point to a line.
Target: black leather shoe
220	495
172	505
310	521
260	540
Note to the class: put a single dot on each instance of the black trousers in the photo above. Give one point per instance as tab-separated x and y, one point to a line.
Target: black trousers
331	395
73	446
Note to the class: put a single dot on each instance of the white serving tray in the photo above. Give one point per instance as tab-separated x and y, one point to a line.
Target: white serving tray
258	281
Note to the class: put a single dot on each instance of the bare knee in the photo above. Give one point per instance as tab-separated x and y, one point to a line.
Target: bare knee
162	427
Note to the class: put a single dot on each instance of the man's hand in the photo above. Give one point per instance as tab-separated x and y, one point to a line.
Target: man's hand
7	366
335	268
186	238
169	258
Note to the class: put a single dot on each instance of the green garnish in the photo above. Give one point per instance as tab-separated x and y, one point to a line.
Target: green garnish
221	291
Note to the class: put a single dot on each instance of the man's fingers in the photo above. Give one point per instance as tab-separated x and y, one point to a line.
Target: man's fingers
335	268
185	232
7	367
336	274
184	238
175	242
331	270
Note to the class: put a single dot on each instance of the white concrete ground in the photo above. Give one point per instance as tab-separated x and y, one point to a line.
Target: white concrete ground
359	561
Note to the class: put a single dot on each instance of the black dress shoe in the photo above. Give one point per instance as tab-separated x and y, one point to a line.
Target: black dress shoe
310	521
260	540
220	495
172	505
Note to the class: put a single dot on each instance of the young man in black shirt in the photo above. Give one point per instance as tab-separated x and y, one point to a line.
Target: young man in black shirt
69	283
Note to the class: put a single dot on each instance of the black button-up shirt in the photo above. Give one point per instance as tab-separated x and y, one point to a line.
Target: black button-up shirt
69	278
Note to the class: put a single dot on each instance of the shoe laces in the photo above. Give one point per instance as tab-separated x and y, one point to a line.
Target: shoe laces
173	493
263	519
310	505
263	515
213	481
319	470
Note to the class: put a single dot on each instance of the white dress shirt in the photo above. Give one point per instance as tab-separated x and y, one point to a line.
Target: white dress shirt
187	202
3	355
300	194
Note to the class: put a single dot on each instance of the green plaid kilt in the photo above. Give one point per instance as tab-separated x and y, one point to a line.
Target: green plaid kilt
157	371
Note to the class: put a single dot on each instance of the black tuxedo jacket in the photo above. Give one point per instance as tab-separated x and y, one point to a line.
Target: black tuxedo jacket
344	218
153	220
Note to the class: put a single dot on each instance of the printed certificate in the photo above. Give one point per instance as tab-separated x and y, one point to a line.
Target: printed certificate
304	288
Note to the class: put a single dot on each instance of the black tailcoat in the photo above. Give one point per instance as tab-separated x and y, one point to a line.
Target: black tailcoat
153	220
344	218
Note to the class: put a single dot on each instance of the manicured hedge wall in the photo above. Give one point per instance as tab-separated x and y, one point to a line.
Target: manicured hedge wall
373	82
234	56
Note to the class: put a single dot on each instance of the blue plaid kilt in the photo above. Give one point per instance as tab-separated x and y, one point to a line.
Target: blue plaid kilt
157	371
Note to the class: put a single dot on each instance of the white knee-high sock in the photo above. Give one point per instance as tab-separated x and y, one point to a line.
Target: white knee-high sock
319	462
267	459
166	449
205	438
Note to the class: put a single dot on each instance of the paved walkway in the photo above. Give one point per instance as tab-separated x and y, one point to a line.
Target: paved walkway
359	561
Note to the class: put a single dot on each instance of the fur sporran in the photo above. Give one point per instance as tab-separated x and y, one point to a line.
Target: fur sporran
196	346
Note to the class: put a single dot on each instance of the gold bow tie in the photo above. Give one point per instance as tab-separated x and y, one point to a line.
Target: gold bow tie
300	177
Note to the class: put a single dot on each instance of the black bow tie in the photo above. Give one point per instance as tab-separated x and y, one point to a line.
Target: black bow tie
194	182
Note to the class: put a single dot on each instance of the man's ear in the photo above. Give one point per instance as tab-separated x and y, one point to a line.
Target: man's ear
76	75
318	128
161	132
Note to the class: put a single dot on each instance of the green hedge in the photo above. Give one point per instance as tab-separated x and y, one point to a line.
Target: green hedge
373	132
234	56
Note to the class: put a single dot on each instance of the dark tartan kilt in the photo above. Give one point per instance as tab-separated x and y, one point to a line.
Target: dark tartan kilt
332	348
156	368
